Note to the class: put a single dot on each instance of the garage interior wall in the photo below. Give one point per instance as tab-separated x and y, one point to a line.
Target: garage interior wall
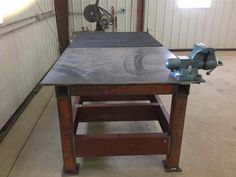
25	54
126	20
180	28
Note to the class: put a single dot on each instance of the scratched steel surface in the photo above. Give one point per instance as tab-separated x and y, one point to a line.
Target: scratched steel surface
86	66
115	39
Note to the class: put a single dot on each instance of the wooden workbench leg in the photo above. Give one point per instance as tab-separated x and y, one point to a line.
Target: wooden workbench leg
177	116
66	129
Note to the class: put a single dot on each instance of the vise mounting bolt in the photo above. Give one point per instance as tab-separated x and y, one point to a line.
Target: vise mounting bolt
186	68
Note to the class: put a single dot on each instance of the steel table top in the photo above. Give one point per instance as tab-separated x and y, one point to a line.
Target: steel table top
96	58
85	66
114	39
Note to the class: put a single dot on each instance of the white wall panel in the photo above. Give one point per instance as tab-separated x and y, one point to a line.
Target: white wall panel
180	28
152	10
176	27
25	56
231	34
161	11
125	21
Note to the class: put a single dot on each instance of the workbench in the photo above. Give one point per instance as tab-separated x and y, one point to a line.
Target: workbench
117	67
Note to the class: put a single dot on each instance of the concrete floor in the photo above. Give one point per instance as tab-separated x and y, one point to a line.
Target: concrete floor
32	148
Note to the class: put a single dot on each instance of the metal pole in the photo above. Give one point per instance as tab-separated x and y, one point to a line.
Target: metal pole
140	15
61	9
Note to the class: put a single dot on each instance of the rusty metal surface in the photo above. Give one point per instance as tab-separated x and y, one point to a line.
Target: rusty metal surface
117	98
114	39
121	89
119	112
140	14
61	9
108	66
176	126
121	144
67	136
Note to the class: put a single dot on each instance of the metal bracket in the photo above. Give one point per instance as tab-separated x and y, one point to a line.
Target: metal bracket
68	174
178	169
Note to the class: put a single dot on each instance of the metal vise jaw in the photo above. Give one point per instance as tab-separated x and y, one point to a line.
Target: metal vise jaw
186	68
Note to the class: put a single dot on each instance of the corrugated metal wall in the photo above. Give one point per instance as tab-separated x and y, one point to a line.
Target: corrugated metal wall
180	28
126	21
25	56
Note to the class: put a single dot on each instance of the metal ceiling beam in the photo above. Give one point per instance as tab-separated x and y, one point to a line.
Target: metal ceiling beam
61	9
140	15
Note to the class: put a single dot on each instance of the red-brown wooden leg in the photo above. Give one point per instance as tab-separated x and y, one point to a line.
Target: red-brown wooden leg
177	116
66	129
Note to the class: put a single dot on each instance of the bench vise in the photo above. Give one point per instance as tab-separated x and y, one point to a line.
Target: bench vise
186	68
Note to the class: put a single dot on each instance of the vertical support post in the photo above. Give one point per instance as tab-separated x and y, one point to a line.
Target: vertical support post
61	9
113	15
140	15
177	117
66	129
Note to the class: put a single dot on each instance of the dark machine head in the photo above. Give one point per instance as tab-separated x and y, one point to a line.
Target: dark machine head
93	13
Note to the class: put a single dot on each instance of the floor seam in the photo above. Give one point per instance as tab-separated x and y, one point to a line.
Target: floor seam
36	123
